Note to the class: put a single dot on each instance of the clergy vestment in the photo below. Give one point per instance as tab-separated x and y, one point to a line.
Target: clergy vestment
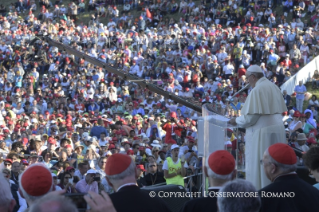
261	116
304	197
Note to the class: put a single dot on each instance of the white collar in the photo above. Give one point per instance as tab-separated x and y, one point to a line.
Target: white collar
127	184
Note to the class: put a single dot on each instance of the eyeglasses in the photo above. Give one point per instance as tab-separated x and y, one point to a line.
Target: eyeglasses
67	177
152	166
155	151
7	164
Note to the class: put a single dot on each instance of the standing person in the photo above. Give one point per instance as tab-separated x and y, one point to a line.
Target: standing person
174	168
300	95
261	116
280	164
120	173
220	169
98	129
287	98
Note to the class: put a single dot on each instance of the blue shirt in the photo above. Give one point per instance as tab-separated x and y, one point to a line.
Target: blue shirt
273	59
95	77
301	88
316	186
97	130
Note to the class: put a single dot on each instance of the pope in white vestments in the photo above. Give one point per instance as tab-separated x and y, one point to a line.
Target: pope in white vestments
261	116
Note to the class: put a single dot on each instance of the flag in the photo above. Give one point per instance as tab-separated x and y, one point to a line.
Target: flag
149	14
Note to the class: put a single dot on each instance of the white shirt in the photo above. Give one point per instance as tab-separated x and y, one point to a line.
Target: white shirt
228	69
22	201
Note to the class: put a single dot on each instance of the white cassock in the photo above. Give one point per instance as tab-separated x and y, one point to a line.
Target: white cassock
261	116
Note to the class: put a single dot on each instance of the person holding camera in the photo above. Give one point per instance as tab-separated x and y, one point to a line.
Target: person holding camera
67	183
89	183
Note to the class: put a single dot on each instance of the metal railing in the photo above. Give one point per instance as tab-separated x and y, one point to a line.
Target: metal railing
189	185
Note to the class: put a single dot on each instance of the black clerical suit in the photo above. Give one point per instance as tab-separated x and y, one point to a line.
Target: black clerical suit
306	196
202	204
152	179
132	198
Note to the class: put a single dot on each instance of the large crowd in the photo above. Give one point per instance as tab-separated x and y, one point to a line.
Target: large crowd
70	115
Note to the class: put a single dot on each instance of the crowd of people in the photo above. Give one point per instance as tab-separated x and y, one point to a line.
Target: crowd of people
70	115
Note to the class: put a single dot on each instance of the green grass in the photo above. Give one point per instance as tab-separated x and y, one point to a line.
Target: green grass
310	90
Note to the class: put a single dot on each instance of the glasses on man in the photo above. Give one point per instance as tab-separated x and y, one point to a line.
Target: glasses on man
7	164
152	166
155	151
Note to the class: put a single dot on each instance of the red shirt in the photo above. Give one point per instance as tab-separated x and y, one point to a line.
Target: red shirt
79	107
241	72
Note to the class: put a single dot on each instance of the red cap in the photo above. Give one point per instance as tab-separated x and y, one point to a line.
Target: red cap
24	162
229	130
171	141
69	168
130	152
221	162
36	180
8	160
141	167
117	163
282	153
173	115
311	141
296	114
68	146
51	140
112	146
25	141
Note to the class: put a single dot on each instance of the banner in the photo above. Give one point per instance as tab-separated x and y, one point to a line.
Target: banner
305	74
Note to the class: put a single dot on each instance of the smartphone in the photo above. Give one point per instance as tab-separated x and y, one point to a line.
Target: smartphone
97	178
78	200
71	180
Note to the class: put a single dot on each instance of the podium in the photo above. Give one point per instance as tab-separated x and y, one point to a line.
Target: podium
214	133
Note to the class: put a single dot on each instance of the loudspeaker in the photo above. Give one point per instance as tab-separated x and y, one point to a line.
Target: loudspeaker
175	196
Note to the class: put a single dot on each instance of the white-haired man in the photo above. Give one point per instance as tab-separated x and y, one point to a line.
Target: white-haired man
241	203
261	116
120	172
220	168
280	164
53	203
